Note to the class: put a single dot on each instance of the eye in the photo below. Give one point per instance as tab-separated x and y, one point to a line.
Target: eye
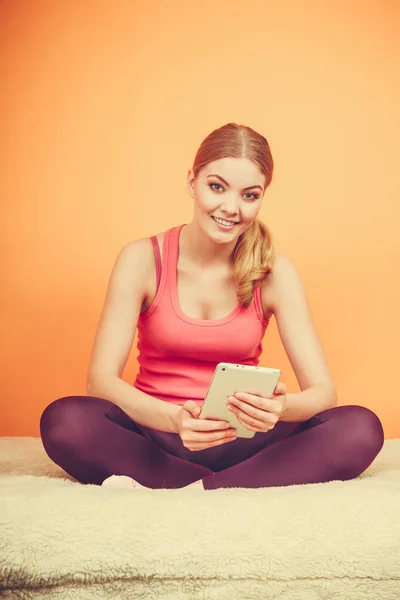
255	196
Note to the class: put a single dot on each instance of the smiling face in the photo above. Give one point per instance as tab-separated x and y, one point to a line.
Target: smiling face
230	189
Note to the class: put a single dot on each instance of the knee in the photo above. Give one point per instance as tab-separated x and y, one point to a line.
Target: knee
367	428
361	437
55	419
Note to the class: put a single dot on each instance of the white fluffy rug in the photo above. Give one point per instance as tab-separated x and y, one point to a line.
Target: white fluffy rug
61	539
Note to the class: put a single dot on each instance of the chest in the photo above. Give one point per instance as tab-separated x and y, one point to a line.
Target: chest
203	295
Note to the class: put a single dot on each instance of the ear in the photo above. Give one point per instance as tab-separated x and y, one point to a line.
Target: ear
190	183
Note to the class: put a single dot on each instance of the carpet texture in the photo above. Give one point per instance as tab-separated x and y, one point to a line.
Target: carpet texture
61	539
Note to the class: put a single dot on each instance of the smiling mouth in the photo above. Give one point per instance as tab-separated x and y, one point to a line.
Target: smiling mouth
231	223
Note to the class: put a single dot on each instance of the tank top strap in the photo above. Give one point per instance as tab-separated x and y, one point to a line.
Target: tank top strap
172	248
166	265
258	304
157	257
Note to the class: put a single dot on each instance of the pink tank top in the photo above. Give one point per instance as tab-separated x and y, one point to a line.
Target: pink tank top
177	353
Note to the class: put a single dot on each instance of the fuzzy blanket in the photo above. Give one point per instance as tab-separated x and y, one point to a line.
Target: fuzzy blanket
61	539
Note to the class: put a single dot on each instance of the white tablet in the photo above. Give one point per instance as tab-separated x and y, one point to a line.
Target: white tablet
230	378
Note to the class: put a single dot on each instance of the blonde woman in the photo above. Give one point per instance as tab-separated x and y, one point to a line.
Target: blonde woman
202	293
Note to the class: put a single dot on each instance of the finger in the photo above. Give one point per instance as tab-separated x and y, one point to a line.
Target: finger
253	425
250	422
217	442
203	446
261	405
208	425
249	409
205	438
257	401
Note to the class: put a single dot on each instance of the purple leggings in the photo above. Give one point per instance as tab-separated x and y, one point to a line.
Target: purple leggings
91	438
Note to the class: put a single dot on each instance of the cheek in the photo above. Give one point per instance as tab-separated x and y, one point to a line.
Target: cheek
206	202
250	212
249	215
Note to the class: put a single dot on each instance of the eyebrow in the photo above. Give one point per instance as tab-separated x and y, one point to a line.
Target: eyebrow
226	183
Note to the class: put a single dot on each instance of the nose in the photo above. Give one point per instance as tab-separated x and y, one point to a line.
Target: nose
230	206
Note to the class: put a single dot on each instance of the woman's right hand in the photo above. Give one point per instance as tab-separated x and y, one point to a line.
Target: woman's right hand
198	434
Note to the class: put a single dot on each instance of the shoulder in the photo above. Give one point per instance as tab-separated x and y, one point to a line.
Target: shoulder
283	268
135	251
140	252
284	281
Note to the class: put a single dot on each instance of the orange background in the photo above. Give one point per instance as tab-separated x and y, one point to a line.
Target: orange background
103	106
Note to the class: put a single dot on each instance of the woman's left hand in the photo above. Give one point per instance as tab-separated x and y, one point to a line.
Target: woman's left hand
257	413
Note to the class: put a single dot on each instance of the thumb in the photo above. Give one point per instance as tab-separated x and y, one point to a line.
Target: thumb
196	410
192	407
280	388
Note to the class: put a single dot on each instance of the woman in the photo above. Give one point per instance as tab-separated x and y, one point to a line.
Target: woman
208	298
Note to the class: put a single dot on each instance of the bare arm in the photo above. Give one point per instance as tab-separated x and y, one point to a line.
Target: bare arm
142	408
114	338
302	344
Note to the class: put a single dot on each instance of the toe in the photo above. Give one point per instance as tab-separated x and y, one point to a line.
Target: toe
118	481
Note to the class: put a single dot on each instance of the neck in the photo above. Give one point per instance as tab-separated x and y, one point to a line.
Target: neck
202	251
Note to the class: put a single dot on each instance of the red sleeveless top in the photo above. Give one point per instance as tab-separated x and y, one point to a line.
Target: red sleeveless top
177	353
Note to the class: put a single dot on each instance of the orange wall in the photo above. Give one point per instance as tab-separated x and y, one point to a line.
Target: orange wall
103	106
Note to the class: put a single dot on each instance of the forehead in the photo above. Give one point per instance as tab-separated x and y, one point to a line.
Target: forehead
236	170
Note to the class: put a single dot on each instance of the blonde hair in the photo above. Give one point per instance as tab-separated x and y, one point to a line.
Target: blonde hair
254	253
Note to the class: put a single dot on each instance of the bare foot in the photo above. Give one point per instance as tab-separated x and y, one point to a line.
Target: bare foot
196	484
124	482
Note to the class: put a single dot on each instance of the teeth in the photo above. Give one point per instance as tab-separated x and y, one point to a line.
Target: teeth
224	222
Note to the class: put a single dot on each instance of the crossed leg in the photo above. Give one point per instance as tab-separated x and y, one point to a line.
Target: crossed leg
92	439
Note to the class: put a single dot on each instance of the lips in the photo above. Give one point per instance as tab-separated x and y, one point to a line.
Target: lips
233	222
